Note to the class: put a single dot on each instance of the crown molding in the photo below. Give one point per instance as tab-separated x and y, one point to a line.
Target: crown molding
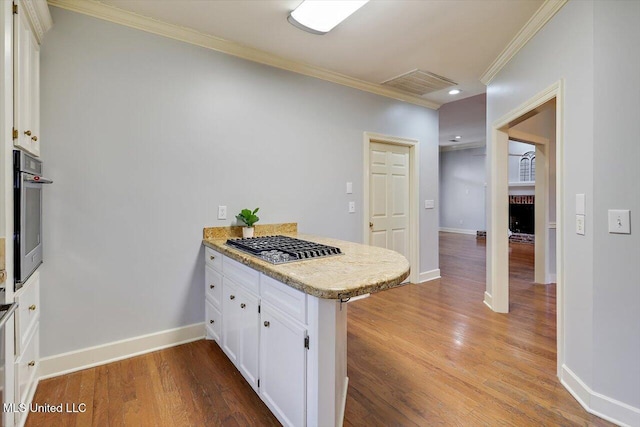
39	16
119	16
544	13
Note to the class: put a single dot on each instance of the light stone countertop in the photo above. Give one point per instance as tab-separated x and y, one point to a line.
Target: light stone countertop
362	269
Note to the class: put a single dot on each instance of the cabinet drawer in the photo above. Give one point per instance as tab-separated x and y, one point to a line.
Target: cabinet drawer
245	276
28	299
290	301
213	259
27	365
213	286
213	321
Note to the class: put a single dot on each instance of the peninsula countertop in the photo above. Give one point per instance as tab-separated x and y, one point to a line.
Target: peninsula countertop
360	270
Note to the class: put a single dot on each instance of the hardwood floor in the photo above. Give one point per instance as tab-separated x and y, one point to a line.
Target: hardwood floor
419	355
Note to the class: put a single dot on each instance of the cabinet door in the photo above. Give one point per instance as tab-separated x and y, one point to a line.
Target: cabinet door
248	362
230	320
283	366
26	85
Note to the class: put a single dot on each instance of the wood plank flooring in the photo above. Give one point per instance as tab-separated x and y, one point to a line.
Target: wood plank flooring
419	355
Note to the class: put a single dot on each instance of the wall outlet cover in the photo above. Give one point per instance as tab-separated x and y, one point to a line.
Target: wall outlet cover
222	212
580	225
352	207
429	204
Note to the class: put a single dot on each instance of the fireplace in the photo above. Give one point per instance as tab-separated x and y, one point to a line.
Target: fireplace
522	214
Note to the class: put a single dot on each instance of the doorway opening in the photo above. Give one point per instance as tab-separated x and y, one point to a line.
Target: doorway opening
390	205
548	245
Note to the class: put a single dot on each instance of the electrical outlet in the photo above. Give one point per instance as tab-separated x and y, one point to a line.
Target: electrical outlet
619	221
222	212
580	225
352	207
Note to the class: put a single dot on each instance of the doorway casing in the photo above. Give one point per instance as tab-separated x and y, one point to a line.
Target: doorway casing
497	233
414	174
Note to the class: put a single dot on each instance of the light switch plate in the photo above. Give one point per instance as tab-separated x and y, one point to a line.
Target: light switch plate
352	207
620	221
222	212
429	204
580	225
349	187
580	204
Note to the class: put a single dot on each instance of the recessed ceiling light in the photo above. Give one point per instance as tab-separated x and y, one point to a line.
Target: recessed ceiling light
458	137
319	17
454	91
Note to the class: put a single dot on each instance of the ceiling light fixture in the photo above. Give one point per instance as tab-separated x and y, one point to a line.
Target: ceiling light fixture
454	91
458	137
319	17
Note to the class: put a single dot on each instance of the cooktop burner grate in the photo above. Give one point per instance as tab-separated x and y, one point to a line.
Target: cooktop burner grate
281	249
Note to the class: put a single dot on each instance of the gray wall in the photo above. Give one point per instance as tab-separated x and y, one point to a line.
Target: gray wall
616	293
145	136
462	198
601	300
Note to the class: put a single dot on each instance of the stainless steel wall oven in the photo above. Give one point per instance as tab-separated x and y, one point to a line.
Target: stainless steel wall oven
27	189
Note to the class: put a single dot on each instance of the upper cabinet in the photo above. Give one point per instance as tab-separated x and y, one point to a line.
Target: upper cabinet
31	19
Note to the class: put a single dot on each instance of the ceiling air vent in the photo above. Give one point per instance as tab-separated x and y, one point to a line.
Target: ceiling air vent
419	82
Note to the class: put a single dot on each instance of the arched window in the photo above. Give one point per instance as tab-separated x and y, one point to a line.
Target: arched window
528	167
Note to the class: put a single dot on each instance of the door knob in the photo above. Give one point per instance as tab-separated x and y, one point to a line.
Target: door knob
232	297
34	138
266	323
243	305
370	225
27	132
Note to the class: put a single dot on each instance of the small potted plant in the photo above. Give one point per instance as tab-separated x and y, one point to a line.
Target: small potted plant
248	218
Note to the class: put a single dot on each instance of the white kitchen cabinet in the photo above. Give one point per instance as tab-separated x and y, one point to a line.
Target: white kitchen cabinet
240	331
27	333
283	372
289	346
31	20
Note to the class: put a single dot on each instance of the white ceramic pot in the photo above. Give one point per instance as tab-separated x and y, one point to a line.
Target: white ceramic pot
247	232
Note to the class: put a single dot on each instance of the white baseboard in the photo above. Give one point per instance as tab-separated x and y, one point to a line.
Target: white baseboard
344	402
488	300
598	404
427	276
77	360
552	278
458	230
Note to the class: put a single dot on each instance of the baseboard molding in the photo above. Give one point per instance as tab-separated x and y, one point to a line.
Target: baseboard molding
77	360
427	276
344	402
458	230
488	300
552	278
598	404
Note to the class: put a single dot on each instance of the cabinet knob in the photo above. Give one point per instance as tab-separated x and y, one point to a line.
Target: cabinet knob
232	297
266	323
32	363
34	138
27	132
370	225
212	321
212	257
243	305
32	307
212	286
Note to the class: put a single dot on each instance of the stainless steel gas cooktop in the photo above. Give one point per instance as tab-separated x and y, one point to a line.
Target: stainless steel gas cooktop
281	249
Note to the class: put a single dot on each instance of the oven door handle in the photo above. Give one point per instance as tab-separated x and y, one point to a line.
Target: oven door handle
35	179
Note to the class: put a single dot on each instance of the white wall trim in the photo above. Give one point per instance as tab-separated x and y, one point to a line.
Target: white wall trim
150	25
598	404
544	13
488	300
39	16
77	360
463	146
414	187
458	230
427	276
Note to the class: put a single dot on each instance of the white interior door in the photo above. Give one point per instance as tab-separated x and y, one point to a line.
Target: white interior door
389	197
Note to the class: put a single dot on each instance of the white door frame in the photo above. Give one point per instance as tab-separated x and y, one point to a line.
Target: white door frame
414	174
497	239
